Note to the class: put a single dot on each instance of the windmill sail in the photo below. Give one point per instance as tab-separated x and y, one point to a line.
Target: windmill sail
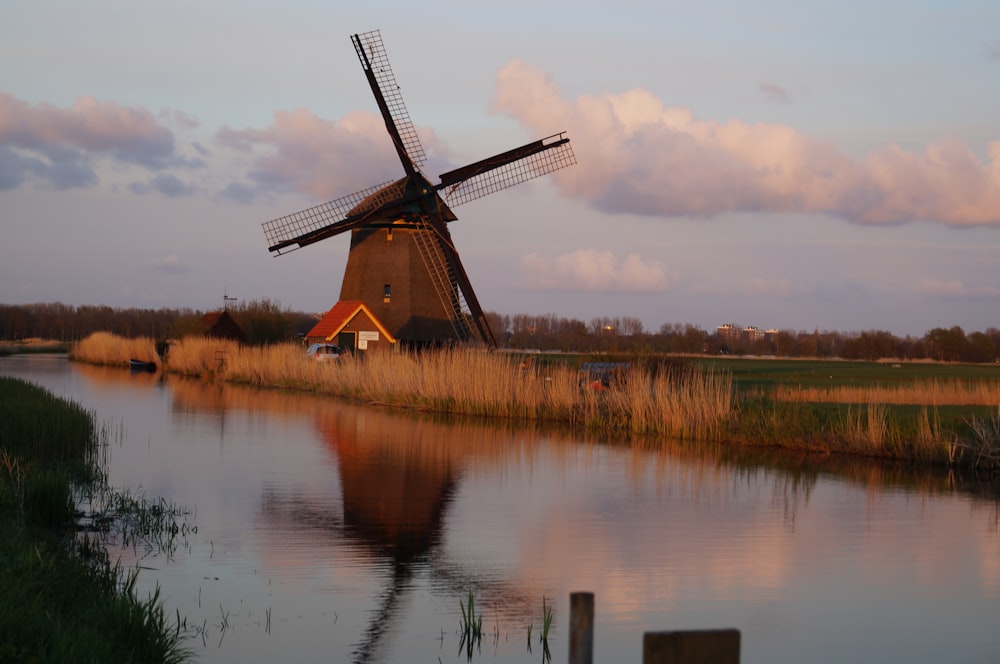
313	224
375	63
507	169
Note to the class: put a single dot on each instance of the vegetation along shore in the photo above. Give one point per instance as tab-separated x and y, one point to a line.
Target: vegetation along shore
61	597
930	413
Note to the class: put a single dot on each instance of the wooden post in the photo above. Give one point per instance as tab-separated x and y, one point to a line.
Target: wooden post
581	628
709	646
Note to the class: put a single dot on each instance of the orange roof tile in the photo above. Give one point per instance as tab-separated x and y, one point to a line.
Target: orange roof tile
340	315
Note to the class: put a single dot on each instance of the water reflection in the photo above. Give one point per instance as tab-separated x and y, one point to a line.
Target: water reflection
399	475
391	518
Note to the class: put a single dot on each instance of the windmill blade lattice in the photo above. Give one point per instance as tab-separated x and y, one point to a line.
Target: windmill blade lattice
282	232
496	173
373	58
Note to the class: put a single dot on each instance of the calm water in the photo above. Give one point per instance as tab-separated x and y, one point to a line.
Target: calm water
328	532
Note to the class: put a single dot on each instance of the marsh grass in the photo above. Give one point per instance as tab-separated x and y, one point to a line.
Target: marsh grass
131	520
983	446
32	346
867	429
109	349
61	599
933	392
203	356
786	405
543	638
690	404
471	627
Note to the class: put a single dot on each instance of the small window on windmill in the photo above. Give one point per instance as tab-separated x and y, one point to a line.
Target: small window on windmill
386	293
388	235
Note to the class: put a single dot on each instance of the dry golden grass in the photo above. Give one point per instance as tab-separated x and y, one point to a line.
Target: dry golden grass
109	349
200	356
679	404
692	405
924	392
685	405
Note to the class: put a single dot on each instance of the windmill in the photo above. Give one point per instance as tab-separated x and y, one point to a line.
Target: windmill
402	262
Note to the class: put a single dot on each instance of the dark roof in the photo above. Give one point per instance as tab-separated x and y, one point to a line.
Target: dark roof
220	325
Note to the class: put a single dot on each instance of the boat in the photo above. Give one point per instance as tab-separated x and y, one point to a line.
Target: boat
141	365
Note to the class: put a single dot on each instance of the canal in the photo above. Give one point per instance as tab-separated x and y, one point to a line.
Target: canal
322	530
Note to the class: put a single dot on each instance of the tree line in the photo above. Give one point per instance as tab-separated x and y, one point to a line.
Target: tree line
265	321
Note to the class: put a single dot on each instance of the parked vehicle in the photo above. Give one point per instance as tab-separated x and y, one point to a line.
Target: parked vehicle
323	352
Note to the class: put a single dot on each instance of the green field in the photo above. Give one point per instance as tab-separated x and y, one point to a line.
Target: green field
749	373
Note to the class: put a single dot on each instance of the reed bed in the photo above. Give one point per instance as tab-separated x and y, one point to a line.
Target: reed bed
202	356
921	392
111	350
61	599
692	404
685	405
679	402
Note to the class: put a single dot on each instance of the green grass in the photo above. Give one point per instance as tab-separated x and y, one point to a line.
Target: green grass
471	628
751	373
61	598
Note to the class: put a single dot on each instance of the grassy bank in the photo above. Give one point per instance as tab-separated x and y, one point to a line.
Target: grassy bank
927	413
61	599
28	346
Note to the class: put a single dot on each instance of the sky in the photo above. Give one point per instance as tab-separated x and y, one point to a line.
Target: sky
793	165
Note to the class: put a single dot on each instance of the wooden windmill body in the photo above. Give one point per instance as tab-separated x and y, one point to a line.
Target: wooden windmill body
402	262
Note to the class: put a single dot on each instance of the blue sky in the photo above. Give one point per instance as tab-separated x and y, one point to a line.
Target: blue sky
796	165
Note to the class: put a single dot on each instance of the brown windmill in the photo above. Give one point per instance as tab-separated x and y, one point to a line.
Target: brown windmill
402	263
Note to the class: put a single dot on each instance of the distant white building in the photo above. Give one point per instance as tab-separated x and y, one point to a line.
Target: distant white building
729	332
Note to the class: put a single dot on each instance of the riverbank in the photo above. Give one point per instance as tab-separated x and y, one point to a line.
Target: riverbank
61	597
29	346
643	399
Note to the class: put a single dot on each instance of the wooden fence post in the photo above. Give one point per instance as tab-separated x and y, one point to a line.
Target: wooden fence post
581	628
708	646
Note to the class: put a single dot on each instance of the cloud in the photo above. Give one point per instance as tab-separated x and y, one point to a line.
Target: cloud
775	93
170	264
59	145
166	184
179	118
636	155
593	271
305	153
954	288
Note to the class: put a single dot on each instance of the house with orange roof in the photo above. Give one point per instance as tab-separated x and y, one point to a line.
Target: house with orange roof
351	325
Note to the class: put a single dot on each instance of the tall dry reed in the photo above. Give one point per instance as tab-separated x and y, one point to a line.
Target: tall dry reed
110	349
692	404
922	392
866	428
473	382
201	356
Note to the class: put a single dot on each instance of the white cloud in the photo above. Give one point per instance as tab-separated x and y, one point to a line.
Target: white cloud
954	288
636	155
171	264
303	152
590	270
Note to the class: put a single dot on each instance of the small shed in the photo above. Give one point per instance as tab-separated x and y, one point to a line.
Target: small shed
351	325
220	325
